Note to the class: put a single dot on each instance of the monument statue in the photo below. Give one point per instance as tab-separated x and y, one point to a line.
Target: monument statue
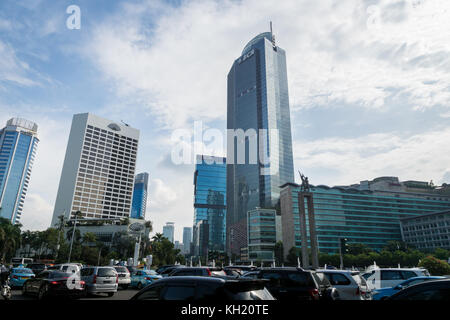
305	182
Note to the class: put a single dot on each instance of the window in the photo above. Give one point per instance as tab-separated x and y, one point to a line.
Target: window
408	274
430	294
179	293
106	272
391	275
338	279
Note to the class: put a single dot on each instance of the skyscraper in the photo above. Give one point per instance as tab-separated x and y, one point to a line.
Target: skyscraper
140	196
169	230
187	239
258	115
210	198
18	143
98	172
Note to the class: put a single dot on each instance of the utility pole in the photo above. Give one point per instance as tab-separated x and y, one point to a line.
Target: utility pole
61	227
73	234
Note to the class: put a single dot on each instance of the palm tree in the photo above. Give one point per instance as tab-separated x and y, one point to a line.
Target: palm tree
158	237
10	237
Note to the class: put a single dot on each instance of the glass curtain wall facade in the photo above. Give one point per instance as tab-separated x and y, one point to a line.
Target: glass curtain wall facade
210	198
367	217
18	143
262	234
258	102
169	231
139	205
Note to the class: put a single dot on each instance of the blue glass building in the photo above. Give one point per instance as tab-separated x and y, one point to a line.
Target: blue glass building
210	198
257	114
139	196
18	143
371	217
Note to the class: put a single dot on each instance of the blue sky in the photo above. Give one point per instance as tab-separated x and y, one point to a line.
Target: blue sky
369	84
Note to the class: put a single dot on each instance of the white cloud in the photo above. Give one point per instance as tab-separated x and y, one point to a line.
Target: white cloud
35	214
12	69
418	157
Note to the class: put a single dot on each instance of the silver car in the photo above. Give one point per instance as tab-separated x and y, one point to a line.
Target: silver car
100	280
349	284
124	276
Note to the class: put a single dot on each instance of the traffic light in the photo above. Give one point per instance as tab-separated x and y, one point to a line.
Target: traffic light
344	246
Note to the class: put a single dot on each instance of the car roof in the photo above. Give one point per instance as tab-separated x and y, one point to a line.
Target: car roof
191	278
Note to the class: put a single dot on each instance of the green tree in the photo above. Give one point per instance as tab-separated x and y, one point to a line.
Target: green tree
10	237
358	248
293	255
441	254
435	266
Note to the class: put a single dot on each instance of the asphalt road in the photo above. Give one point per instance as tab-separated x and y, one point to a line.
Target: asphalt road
120	295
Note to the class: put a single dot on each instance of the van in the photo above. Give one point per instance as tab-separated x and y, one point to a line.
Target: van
100	280
390	277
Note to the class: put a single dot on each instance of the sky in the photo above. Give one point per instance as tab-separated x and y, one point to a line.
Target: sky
369	85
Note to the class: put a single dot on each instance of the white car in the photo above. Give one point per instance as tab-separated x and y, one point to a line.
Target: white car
349	284
124	276
67	267
390	277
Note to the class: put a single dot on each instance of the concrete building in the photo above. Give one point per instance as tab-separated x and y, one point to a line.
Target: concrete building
362	215
427	232
18	143
259	153
169	231
98	172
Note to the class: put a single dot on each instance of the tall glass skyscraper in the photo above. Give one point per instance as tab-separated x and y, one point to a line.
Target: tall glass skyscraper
169	231
18	143
258	103
140	196
210	198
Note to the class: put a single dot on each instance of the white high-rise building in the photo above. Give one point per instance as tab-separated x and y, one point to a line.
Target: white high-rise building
98	172
169	230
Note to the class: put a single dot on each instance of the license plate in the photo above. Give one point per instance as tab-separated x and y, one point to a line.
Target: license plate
24	278
106	281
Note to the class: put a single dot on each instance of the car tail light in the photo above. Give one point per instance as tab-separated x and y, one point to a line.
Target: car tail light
95	279
117	279
82	283
209	272
314	294
148	278
15	277
55	282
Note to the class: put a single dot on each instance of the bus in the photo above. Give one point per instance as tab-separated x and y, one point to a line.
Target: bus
20	261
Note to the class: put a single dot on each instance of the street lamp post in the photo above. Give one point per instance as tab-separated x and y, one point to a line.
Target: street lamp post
73	234
59	233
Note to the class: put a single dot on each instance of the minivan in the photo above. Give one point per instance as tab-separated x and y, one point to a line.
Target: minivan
100	280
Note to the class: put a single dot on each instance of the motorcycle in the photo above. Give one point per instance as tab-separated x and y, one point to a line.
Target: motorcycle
5	290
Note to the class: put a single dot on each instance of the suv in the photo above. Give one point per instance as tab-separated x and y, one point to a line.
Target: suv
350	284
204	289
297	284
100	280
390	277
124	276
66	267
168	270
197	271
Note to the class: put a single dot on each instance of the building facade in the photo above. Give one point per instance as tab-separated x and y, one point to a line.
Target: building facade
262	234
201	239
427	232
18	143
210	198
371	217
98	172
187	239
169	231
140	192
257	116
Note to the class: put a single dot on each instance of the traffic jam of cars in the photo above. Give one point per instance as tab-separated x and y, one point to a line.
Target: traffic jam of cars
207	283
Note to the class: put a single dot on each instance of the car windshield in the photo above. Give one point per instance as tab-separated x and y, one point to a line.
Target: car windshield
151	272
22	271
121	269
261	294
106	272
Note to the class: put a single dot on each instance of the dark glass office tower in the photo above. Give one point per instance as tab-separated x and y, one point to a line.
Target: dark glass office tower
210	197
139	204
258	102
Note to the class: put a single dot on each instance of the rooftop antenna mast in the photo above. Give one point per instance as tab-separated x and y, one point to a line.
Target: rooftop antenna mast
271	34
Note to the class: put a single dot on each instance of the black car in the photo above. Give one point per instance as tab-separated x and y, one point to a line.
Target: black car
197	272
297	284
168	270
210	289
242	268
54	283
37	267
438	290
164	268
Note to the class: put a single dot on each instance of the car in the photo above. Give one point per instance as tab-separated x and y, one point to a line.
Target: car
55	283
37	267
197	271
124	276
18	276
100	280
350	285
168	270
233	272
66	267
143	278
242	268
436	290
250	274
390	277
210	289
162	269
378	294
290	283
